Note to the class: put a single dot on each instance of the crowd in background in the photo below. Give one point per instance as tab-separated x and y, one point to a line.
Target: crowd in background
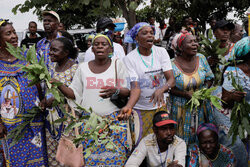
144	78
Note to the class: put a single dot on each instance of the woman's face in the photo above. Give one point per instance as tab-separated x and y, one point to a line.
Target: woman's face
145	37
57	52
101	48
208	142
222	34
8	34
89	42
189	46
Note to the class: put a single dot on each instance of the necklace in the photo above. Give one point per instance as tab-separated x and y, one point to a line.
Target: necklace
162	163
152	59
62	69
215	157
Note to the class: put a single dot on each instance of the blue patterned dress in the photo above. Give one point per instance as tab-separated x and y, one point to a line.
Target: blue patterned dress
30	150
106	157
188	122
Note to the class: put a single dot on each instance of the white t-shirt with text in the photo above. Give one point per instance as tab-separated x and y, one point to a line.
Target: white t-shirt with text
149	77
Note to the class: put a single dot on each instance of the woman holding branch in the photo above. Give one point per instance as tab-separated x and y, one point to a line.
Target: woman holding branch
92	86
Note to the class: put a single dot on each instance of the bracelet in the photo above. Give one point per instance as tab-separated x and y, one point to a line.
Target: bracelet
117	92
169	88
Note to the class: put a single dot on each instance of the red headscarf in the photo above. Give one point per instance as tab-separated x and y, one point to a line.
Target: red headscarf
182	37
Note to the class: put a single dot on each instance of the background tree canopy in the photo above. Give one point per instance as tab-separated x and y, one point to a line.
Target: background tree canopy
87	12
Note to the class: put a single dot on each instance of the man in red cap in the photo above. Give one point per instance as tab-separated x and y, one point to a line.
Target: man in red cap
161	148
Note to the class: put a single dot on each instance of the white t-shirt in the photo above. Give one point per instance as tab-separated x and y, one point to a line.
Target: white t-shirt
118	53
150	78
87	85
148	147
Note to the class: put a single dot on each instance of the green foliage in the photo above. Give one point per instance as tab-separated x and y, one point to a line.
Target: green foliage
201	97
239	115
97	130
36	72
211	48
18	132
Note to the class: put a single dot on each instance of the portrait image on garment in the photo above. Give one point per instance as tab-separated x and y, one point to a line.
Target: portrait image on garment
10	101
155	79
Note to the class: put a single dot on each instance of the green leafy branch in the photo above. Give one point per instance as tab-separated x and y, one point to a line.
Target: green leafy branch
36	72
201	96
96	130
239	114
211	48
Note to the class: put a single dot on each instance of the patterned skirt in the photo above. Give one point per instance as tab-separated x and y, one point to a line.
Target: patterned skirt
141	124
105	157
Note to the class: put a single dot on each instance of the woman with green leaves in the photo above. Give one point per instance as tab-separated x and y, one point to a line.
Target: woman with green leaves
62	53
92	87
26	148
192	73
235	92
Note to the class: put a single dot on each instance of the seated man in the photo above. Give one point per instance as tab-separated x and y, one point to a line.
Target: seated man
162	148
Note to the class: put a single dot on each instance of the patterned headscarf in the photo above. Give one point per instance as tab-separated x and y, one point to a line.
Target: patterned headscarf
181	38
207	126
240	49
3	21
105	36
132	33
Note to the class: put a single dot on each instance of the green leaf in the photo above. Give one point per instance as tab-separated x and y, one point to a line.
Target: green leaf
14	51
87	153
42	76
60	120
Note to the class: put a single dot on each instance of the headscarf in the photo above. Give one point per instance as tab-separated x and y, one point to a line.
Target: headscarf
240	49
132	33
181	38
3	21
207	126
105	36
174	42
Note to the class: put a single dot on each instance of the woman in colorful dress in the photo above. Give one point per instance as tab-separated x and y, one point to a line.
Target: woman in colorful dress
92	86
63	53
16	97
192	72
151	77
241	53
210	153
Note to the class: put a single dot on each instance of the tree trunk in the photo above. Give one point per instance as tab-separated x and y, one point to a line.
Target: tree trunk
129	15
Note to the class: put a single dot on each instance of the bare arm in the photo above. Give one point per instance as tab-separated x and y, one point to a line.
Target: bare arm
133	98
68	92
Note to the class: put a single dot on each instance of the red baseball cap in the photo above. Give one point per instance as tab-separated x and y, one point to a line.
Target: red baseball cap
161	118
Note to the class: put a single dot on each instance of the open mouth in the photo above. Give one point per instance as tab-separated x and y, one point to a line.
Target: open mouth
14	43
99	52
150	41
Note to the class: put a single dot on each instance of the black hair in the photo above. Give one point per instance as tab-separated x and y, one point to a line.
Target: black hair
68	45
32	22
212	18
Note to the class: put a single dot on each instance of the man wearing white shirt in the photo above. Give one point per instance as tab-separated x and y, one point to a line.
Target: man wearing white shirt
104	24
161	148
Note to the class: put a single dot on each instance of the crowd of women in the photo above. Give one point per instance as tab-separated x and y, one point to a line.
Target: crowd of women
146	76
